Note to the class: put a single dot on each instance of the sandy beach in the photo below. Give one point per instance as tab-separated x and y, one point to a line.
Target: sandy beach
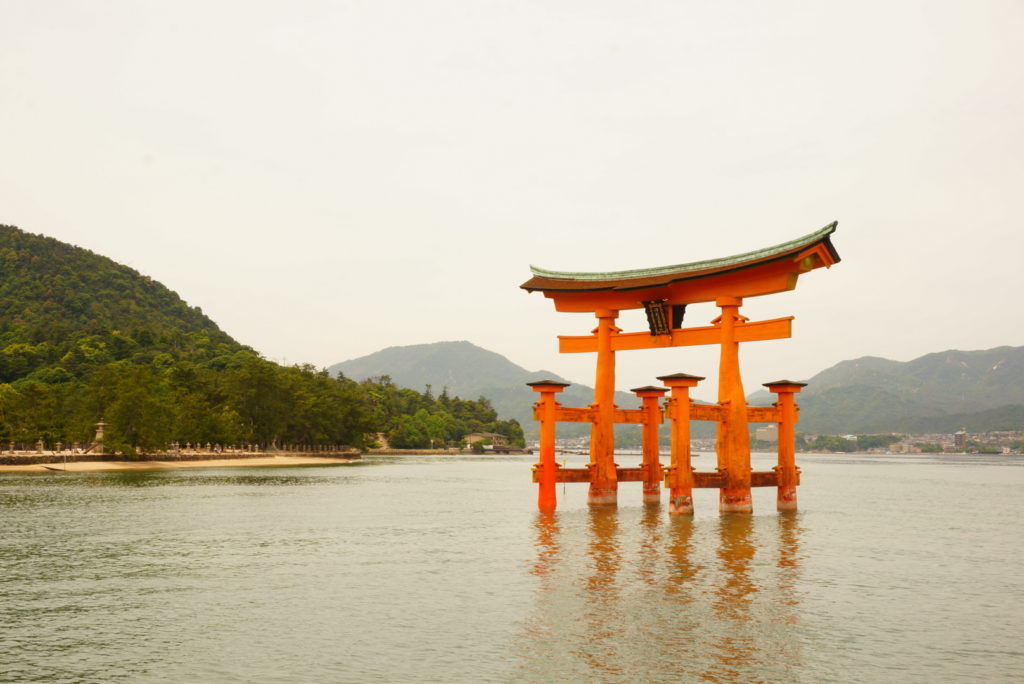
91	466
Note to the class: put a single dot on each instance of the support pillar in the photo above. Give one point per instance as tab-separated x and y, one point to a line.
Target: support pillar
545	472
649	397
733	444
788	473
603	480
679	478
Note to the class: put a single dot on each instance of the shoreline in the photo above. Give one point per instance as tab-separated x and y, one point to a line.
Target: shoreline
58	466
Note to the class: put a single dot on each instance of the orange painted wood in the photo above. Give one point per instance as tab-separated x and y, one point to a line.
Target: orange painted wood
706	412
632	416
708	480
652	417
762	414
545	470
788	473
769	279
568	414
768	478
679	476
568	475
756	331
733	442
603	483
564	414
716	480
631	474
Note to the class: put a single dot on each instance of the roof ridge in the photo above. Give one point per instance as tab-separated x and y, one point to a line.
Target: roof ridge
693	266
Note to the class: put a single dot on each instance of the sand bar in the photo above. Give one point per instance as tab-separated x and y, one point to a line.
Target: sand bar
257	462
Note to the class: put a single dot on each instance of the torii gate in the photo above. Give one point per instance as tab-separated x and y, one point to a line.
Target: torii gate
664	293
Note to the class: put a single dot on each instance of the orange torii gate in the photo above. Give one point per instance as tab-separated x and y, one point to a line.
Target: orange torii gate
664	293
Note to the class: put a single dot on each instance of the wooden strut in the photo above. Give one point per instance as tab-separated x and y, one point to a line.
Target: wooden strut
680	478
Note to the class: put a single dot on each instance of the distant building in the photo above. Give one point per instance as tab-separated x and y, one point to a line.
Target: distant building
496	439
768	433
960	439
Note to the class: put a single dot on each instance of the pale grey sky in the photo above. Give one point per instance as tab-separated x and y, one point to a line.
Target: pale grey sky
326	179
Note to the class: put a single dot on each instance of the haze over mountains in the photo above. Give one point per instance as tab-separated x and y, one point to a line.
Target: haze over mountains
469	371
940	392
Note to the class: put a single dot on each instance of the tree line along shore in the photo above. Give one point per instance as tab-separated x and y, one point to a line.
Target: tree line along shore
85	340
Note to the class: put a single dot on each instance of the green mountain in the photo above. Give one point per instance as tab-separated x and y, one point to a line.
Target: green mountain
467	370
83	338
64	309
940	392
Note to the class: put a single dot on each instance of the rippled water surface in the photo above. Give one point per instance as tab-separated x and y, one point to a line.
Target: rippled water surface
896	568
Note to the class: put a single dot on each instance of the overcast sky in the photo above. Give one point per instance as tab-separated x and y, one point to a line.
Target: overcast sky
325	179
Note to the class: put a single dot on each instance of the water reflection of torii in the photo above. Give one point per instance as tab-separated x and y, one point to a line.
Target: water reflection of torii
713	600
664	294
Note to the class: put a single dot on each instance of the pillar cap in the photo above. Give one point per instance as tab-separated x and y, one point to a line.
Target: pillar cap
538	384
680	376
649	388
680	380
785	383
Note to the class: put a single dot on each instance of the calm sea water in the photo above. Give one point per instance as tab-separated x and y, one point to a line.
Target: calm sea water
413	569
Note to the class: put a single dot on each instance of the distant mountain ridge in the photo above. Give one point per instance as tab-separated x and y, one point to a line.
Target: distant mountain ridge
469	371
980	390
940	392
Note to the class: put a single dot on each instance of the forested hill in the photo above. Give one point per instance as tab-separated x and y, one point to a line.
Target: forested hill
50	291
83	338
979	390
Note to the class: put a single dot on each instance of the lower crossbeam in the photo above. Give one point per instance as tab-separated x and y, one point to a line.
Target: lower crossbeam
714	480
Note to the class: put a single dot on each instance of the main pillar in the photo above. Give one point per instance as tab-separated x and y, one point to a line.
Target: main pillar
733	444
649	397
546	470
679	479
787	472
603	481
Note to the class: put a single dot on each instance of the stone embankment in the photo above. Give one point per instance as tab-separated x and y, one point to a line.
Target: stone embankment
11	457
409	452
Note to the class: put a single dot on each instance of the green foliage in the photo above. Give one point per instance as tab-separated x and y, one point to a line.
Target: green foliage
832	443
982	448
929	448
865	442
837	444
414	420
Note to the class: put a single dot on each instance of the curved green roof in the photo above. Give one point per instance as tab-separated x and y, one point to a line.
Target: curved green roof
696	266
